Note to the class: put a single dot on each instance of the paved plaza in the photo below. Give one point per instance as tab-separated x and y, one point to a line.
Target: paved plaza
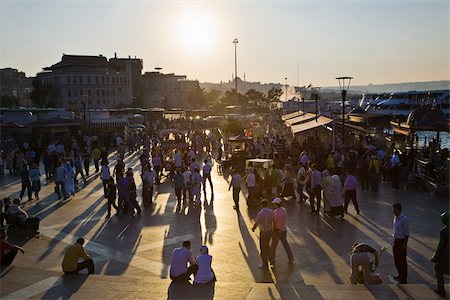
132	255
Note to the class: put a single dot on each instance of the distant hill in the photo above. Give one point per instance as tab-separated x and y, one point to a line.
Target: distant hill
244	86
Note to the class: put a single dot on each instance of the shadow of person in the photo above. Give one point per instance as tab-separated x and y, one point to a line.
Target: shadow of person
186	290
210	222
66	286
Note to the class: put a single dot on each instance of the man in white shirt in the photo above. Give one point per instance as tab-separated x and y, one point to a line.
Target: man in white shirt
179	270
401	235
207	176
236	180
187	189
250	182
148	181
264	220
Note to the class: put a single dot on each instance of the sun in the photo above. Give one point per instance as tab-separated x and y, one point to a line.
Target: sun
196	32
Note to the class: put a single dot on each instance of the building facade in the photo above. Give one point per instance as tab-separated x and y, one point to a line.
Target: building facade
94	81
167	90
15	84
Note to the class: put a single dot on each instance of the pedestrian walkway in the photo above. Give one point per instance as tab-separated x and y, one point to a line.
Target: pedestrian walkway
141	247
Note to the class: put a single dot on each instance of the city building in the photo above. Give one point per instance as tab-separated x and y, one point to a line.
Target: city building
83	82
167	90
15	84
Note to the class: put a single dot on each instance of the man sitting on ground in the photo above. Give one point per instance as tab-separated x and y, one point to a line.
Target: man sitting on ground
21	218
8	251
76	251
179	270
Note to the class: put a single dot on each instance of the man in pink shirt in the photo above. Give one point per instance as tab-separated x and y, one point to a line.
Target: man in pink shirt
280	231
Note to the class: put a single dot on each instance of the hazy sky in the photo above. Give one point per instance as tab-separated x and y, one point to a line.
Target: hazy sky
373	41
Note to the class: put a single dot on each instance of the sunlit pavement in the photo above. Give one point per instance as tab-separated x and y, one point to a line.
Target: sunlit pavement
132	255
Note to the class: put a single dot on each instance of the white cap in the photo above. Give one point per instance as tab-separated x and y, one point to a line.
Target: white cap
277	200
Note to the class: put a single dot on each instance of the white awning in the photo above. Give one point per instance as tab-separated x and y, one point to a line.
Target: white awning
300	119
292	115
321	121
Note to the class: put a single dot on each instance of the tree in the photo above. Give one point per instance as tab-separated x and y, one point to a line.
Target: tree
274	94
212	98
197	96
43	95
254	97
9	101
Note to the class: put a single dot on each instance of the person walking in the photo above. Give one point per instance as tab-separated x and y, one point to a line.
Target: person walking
69	179
96	154
86	161
235	182
112	194
316	190
336	201
301	181
105	175
250	182
328	188
401	235
264	220
133	193
73	253
60	175
26	182
119	169
280	231
78	170
148	182
187	189
35	176
349	191
207	176
374	173
178	181
395	174
196	187
441	256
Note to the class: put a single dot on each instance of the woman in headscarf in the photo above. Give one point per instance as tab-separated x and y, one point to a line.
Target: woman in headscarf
441	256
336	201
328	186
69	180
205	273
288	188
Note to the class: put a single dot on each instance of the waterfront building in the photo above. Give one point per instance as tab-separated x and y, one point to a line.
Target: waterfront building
94	81
167	90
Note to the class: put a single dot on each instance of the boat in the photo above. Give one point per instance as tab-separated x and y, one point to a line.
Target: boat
400	104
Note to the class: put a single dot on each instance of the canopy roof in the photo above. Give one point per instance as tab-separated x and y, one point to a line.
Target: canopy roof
321	121
300	119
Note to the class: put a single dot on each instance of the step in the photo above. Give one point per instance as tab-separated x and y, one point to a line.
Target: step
20	283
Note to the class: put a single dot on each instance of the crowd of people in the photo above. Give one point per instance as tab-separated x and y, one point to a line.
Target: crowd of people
307	172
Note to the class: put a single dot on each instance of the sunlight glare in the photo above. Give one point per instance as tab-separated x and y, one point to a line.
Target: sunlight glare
196	32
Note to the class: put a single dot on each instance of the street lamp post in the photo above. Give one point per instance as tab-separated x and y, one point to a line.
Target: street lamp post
235	42
344	91
316	97
84	102
285	84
